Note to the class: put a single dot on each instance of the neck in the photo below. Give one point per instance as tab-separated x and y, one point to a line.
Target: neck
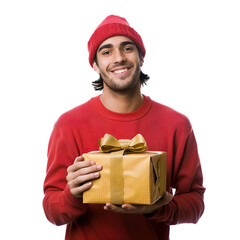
122	102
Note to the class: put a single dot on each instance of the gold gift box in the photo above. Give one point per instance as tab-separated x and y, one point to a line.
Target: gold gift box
143	178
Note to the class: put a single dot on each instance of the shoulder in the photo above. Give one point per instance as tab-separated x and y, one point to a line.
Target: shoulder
75	115
170	116
168	113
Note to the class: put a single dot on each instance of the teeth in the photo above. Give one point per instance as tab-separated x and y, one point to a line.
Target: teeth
121	70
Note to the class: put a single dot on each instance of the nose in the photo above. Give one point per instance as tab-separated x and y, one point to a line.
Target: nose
119	56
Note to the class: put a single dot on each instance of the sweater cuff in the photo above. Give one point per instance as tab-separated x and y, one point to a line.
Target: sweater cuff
164	214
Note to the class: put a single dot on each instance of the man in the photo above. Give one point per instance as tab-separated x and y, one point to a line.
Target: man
116	52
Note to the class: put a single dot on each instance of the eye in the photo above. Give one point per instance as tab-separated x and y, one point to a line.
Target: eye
105	52
127	49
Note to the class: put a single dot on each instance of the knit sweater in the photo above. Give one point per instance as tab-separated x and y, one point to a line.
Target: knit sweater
78	130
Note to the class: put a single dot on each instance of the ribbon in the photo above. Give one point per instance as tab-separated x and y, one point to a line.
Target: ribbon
109	144
117	148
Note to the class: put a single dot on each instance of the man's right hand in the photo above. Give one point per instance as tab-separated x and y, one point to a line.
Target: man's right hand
80	175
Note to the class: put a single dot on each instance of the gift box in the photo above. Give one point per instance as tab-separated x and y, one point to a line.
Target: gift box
130	174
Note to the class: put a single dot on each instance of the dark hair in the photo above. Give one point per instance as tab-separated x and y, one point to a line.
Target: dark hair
98	84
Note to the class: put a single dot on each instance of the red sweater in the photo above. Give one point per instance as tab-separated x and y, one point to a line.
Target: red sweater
77	132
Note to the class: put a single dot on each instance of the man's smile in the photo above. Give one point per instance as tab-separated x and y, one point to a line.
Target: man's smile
120	71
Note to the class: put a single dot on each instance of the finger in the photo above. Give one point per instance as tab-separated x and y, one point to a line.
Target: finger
79	162
78	159
138	209
80	180
112	207
165	199
78	165
77	191
82	175
84	170
116	208
90	169
168	196
128	207
81	158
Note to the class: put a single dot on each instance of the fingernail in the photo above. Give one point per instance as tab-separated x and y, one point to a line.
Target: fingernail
99	167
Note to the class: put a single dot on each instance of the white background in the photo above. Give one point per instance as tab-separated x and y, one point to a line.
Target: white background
193	59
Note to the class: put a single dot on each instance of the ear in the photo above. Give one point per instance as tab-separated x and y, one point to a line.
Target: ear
95	67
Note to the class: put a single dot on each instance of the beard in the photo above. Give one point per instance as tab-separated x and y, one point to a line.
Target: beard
122	85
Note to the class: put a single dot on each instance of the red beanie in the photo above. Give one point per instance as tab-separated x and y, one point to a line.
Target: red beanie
109	27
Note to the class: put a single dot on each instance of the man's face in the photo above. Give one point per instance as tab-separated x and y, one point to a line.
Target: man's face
118	63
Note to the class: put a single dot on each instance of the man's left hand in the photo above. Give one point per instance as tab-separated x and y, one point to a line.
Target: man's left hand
140	209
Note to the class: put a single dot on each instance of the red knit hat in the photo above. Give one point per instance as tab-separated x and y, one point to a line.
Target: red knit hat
109	27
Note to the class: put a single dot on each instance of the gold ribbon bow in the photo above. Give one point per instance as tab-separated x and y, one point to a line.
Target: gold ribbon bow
117	148
109	144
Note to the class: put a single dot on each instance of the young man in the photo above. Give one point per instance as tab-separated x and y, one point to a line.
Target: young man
116	52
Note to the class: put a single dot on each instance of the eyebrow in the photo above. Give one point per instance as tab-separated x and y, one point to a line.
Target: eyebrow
105	46
110	45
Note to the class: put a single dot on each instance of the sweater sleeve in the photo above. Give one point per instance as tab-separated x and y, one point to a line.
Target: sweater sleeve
187	205
59	204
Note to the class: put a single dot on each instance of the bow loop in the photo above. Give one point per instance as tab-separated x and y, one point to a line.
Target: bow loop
109	144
